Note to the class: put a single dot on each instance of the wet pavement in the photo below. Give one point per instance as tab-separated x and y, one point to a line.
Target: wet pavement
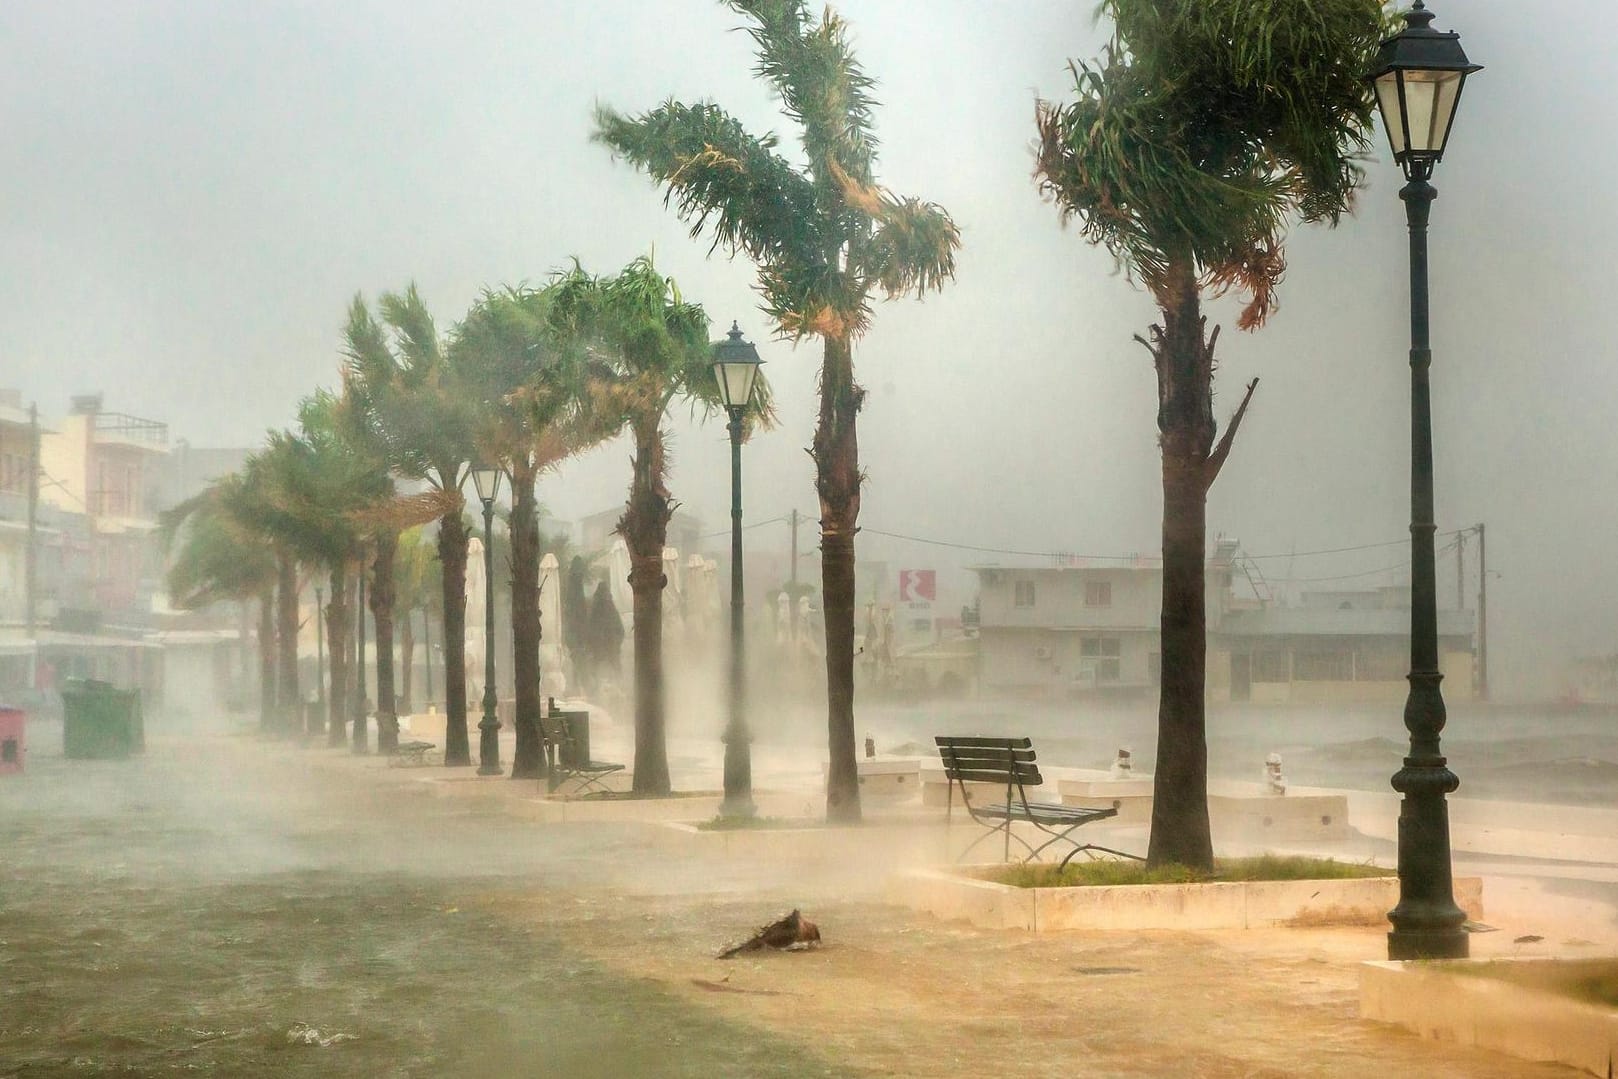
231	906
213	907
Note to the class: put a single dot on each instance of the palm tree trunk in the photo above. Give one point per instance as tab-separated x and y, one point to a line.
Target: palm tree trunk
1184	360
337	633
359	735
407	663
286	597
452	540
644	527
266	659
382	596
528	758
837	479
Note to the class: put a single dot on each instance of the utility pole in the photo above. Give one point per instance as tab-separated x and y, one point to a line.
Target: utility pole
1483	618
792	595
1460	568
31	555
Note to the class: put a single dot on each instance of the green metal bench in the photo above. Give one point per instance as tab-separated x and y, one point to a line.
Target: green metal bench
567	754
411	754
1011	762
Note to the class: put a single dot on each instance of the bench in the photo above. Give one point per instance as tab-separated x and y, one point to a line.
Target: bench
567	753
1011	762
410	754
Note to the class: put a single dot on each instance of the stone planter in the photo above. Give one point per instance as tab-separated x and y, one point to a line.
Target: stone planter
1437	1001
963	894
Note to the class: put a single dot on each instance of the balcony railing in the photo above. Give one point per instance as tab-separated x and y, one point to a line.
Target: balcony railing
128	428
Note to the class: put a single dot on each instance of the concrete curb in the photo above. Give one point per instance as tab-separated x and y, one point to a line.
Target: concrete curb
1436	1001
960	894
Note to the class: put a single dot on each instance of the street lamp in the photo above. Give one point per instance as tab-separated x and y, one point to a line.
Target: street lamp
486	480
1418	77
735	369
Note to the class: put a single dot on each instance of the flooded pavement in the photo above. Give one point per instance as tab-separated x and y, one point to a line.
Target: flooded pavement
197	911
229	906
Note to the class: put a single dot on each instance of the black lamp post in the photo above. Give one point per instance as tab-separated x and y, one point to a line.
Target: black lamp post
735	368
486	478
1418	78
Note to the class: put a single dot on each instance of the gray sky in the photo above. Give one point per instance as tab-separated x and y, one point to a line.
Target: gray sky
191	192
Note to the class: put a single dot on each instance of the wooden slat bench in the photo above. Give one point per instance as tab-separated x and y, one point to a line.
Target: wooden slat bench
1010	762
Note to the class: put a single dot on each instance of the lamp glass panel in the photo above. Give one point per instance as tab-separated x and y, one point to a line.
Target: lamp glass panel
1421	99
1446	91
1387	100
735	382
487	483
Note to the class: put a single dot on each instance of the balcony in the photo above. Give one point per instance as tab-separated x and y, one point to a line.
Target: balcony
119	427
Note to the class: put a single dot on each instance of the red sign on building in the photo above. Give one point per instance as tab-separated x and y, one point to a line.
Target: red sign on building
917	585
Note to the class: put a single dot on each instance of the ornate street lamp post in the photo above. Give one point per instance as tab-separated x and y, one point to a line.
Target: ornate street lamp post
1418	78
486	479
735	368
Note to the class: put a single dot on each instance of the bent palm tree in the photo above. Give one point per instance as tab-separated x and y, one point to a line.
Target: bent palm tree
1203	128
215	556
648	348
402	380
824	238
531	420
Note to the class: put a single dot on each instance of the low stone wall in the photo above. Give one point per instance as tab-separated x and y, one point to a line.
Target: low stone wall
961	894
1436	1001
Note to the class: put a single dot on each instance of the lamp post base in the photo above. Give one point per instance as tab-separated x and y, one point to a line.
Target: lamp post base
489	747
738	800
1438	944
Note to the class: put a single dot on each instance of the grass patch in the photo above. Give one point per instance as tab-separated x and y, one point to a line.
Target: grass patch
1116	872
1593	981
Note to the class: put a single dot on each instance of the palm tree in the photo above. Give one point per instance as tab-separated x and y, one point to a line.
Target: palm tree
413	585
648	348
1203	128
214	556
400	377
825	237
532	418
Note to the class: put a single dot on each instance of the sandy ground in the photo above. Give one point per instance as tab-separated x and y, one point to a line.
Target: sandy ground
237	907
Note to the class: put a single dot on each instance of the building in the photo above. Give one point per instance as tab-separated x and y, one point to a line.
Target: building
1079	626
105	465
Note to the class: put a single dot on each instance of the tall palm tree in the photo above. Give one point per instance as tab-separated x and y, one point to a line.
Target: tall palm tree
413	584
1202	129
261	501
397	371
648	349
825	237
214	556
532	418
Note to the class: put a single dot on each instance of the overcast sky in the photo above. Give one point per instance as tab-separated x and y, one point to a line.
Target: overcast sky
191	192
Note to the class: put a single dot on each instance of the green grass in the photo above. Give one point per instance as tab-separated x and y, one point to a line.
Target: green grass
1115	872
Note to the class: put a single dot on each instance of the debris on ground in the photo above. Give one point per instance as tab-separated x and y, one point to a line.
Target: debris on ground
792	933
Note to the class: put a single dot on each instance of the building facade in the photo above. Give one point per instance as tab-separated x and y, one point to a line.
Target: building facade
1076	627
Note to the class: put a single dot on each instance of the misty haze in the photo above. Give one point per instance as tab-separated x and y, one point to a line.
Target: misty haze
744	539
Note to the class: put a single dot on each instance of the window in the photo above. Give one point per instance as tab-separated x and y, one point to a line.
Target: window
1098	593
1023	593
1274	666
1100	654
1324	666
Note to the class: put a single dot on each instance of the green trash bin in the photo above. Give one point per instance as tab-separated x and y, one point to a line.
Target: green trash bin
101	721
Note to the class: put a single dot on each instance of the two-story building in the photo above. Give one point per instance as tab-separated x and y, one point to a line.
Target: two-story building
105	466
1078	626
